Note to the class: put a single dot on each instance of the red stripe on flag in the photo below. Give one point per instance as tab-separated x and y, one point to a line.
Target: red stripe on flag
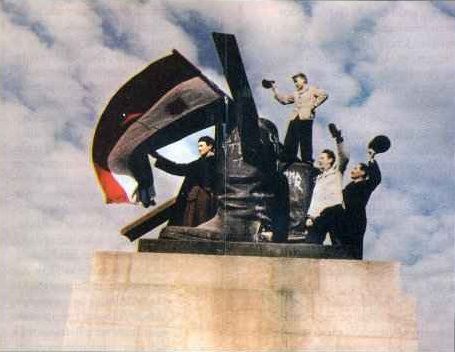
131	118
112	190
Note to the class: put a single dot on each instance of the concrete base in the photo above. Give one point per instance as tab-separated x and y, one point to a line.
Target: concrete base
191	302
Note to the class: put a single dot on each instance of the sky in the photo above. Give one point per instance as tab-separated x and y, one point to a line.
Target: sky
387	67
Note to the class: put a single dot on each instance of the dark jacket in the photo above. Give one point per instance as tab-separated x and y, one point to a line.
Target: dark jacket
356	196
196	201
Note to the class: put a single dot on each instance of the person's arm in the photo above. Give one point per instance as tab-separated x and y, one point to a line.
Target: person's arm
342	156
374	173
282	98
169	166
320	95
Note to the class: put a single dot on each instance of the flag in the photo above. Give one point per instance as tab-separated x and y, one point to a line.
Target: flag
167	101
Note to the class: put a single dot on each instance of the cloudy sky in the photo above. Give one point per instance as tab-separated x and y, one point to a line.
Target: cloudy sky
388	68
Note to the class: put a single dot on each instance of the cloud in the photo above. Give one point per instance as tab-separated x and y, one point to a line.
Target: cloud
430	280
447	7
387	68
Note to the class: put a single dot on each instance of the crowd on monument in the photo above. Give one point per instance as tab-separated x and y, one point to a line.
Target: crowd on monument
333	210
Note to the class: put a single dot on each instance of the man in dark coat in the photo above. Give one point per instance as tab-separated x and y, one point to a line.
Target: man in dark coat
365	179
196	201
254	194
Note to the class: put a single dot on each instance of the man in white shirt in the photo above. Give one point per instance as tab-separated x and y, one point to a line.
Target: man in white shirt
325	213
306	99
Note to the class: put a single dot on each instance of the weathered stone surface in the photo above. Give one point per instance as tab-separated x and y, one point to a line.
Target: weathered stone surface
169	301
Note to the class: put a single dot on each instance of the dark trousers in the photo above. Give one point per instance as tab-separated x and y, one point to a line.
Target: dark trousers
330	220
354	245
355	225
200	207
299	132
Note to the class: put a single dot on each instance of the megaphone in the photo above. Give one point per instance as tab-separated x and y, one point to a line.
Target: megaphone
380	144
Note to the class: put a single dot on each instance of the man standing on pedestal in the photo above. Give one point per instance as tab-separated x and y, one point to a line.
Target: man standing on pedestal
196	201
326	207
306	99
365	178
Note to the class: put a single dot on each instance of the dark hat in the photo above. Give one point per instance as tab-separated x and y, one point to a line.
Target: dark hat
380	144
267	84
334	131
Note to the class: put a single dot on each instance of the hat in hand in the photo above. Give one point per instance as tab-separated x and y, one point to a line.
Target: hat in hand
335	132
380	144
267	84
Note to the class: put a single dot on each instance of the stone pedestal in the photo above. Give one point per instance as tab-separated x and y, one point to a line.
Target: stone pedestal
193	302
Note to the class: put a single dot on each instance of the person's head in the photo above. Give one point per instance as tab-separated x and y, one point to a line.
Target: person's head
325	160
359	172
205	145
300	80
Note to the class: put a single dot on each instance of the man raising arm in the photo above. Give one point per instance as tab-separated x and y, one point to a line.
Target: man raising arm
365	178
326	207
306	99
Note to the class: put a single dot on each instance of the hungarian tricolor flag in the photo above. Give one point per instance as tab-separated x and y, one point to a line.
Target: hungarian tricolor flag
169	100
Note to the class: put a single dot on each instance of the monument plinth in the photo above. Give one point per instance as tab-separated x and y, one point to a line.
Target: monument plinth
165	301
